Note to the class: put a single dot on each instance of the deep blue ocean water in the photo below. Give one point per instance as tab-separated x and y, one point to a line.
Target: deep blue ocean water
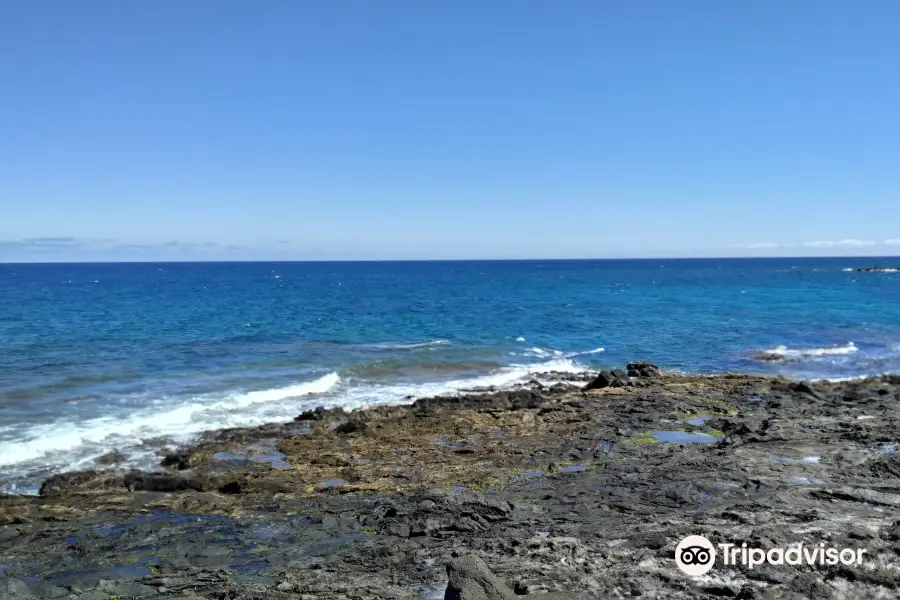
102	356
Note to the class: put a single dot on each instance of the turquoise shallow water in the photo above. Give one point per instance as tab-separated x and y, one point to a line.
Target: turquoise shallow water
137	356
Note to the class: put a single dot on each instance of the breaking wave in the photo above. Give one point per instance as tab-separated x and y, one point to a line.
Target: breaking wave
783	353
34	452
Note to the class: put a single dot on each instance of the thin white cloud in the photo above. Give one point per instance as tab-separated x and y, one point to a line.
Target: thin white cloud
892	242
762	246
832	243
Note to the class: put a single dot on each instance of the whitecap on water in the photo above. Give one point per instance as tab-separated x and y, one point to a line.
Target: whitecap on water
783	353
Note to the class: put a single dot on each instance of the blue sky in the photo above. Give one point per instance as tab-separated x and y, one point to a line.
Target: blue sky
408	129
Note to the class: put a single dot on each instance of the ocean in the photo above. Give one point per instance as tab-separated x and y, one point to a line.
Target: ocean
143	357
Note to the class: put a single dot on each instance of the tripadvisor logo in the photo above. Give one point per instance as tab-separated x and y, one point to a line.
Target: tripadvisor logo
696	555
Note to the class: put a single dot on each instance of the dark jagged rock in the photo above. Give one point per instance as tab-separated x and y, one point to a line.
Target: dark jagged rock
140	481
877	269
65	482
316	414
643	369
133	480
179	460
731	427
470	579
886	467
604	379
351	427
621	378
804	387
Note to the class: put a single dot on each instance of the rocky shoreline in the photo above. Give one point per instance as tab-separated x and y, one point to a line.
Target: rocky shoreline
582	489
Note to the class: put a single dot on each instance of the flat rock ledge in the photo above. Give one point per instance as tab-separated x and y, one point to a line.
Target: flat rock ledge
581	489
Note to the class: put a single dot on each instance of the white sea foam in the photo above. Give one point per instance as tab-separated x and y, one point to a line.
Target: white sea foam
409	345
67	445
850	377
193	416
783	353
594	351
541	352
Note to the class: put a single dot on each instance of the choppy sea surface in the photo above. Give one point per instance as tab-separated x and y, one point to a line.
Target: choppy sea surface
140	357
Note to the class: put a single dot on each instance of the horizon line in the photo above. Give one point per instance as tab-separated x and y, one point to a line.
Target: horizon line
423	260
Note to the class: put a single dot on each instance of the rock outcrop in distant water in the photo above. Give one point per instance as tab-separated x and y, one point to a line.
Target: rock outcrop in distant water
877	269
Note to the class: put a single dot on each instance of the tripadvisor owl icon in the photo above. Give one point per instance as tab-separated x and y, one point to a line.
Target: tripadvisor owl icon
695	555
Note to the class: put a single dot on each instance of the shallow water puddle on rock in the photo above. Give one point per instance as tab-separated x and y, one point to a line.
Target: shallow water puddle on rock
269	532
136	570
431	591
331	483
156	516
250	567
235	460
809	460
573	469
246	551
276	459
64	575
683	437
